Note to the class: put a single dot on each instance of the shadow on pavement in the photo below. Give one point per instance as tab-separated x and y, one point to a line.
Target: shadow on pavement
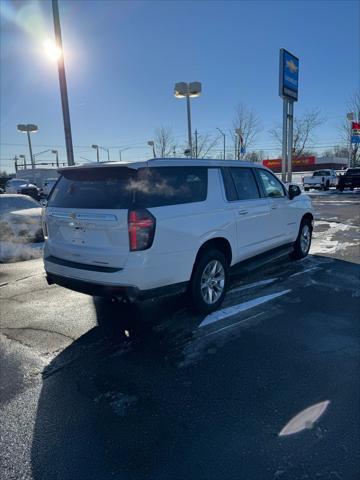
119	403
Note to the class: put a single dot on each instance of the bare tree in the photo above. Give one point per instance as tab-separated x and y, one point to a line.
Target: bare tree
304	130
248	123
256	156
164	142
337	151
352	106
205	144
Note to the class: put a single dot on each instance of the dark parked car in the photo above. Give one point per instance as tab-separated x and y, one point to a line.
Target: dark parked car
350	179
24	187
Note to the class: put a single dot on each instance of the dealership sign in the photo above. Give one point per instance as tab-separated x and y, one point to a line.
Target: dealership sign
288	75
355	132
275	163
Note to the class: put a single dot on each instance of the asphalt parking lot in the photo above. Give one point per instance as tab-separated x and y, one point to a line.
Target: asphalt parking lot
265	388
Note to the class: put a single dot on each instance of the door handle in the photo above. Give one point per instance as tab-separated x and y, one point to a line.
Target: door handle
242	212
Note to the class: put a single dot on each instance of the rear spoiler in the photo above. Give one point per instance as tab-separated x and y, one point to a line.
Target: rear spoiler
95	165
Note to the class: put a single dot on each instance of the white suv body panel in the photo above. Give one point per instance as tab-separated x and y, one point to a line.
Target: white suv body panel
97	237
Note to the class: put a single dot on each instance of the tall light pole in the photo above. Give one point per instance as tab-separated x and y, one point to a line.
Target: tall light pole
29	128
55	152
187	90
63	85
152	144
97	152
106	150
24	159
350	117
122	150
224	138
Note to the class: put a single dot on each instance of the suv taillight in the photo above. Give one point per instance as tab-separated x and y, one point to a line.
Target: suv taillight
141	225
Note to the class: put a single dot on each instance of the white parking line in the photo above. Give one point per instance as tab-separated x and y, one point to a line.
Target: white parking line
235	324
241	307
253	285
304	271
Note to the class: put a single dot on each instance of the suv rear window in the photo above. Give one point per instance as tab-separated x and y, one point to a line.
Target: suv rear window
121	187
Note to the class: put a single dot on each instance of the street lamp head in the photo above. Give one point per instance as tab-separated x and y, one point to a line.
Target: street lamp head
194	89
22	156
150	143
181	90
54	151
94	146
30	127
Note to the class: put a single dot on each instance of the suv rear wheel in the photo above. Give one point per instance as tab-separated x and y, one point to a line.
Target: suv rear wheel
303	241
209	281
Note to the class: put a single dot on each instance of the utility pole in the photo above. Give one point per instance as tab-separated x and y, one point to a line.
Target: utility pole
196	143
63	85
224	140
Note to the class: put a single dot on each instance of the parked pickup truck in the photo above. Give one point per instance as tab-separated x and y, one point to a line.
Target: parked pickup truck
321	180
350	179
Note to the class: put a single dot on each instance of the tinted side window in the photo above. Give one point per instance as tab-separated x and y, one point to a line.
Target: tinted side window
230	191
245	183
272	186
121	187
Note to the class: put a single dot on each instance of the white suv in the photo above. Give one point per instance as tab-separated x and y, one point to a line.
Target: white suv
138	230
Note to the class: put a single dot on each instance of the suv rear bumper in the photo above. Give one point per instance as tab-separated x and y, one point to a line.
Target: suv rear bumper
127	292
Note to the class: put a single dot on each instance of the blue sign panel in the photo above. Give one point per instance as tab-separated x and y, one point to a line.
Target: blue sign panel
355	139
289	75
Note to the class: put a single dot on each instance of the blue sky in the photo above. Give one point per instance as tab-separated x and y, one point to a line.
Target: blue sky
123	58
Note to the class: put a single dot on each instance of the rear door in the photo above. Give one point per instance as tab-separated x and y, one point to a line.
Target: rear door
251	212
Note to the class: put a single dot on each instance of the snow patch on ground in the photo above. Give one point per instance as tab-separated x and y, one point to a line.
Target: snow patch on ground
15	252
324	241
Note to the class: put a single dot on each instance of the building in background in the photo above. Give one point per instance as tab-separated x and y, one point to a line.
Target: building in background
305	164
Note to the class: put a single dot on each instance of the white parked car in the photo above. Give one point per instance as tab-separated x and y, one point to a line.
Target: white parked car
320	180
144	229
20	219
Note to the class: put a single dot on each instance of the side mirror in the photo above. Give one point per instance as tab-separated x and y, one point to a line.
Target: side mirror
43	202
294	191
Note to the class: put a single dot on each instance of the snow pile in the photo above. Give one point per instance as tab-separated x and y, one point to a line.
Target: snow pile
325	242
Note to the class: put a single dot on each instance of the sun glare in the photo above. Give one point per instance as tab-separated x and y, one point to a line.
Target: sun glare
52	51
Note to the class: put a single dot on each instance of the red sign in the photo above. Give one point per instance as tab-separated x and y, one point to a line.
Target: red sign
355	127
275	163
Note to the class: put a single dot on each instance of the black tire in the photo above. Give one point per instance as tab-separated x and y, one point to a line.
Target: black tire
197	300
306	189
327	186
299	250
351	189
341	189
